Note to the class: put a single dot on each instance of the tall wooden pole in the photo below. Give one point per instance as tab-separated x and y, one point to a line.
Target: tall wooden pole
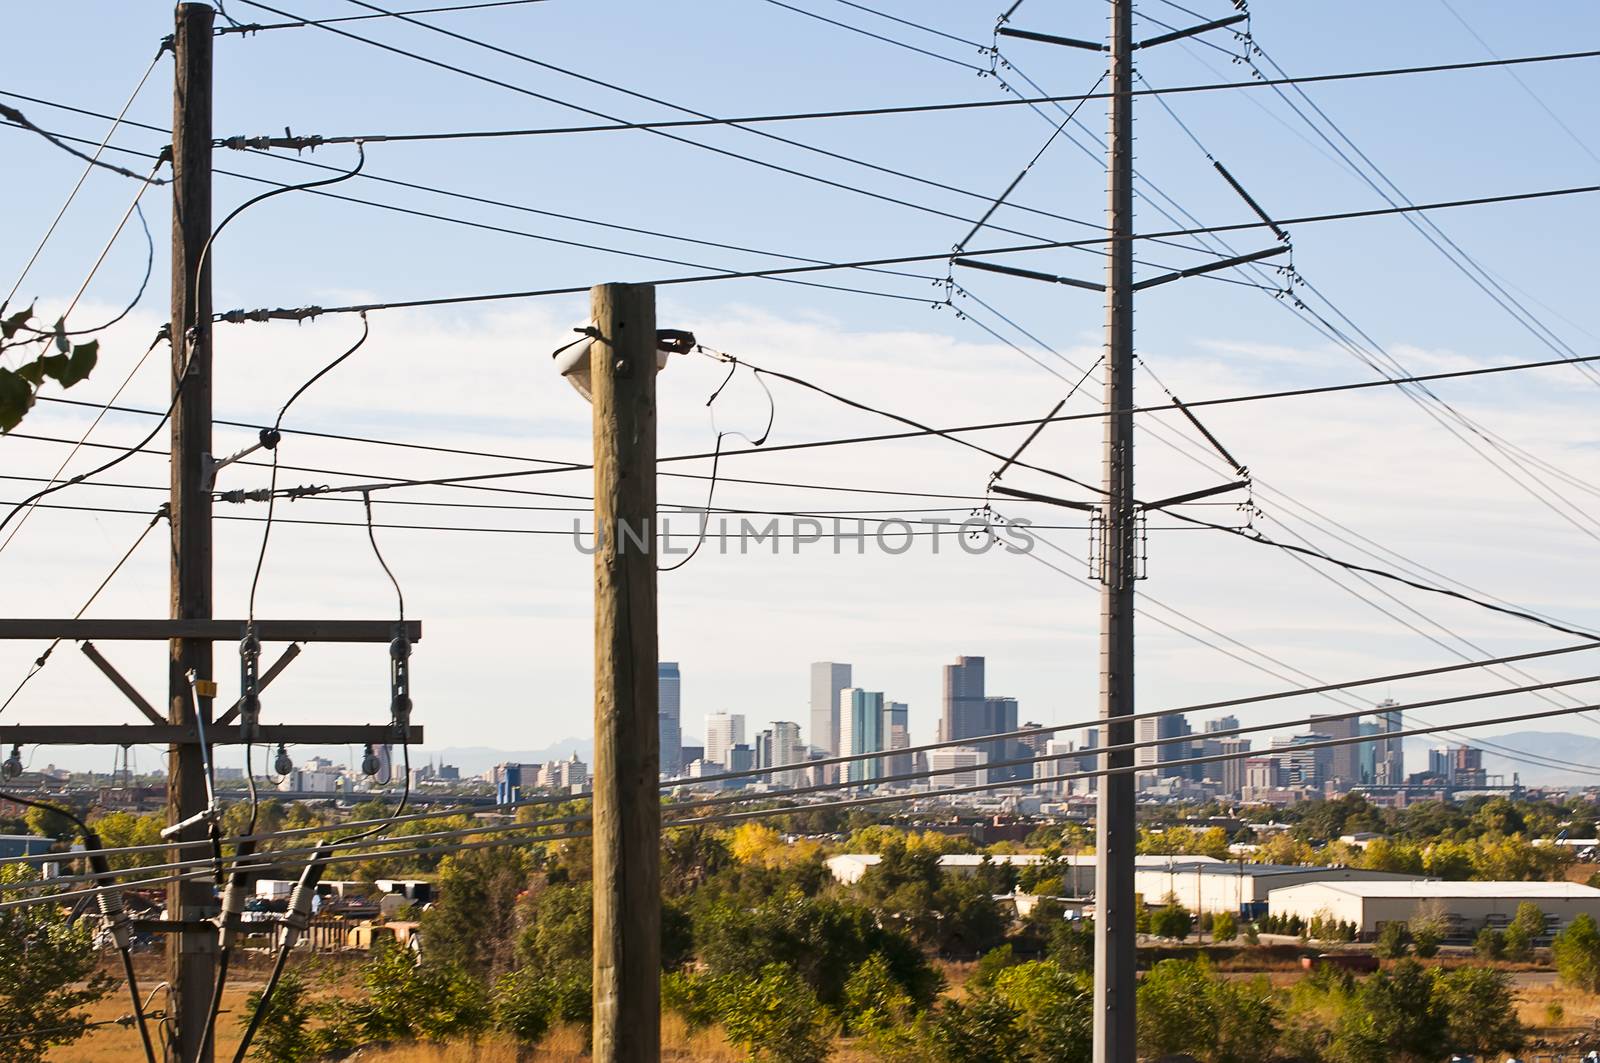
627	760
1115	951
191	959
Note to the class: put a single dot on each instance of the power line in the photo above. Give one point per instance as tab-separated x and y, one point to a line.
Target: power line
40	661
545	238
927	108
248	28
1260	537
989	426
838	185
84	176
1349	215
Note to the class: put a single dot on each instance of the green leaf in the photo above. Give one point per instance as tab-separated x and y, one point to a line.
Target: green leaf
62	343
80	364
10	325
46	365
15	398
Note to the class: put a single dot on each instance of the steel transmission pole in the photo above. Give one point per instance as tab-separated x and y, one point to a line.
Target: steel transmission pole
191	958
627	760
1115	953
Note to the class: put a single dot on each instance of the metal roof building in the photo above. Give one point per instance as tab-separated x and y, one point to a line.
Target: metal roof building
1468	905
1242	888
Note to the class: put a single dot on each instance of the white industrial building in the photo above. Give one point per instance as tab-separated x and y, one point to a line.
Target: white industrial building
849	867
1077	871
1469	905
1215	886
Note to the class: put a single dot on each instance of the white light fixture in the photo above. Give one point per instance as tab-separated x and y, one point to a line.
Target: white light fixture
572	361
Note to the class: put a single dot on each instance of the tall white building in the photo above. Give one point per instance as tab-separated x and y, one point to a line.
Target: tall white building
723	731
828	678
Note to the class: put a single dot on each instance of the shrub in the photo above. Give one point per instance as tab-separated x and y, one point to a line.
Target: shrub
1171	921
990	965
1224	927
47	974
1481	1014
1490	944
776	1017
1184	1008
1394	941
873	999
1577	954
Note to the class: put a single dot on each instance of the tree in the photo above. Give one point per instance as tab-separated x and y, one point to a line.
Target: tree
1577	954
527	1002
1393	1018
59	359
1184	1008
991	964
1394	940
407	1001
776	1017
1480	1011
1071	944
48	823
821	939
874	1000
1171	920
1055	1011
1523	932
1224	927
285	1034
47	974
473	922
1429	925
1490	944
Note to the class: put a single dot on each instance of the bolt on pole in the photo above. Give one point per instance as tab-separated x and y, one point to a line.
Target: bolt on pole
1115	952
627	761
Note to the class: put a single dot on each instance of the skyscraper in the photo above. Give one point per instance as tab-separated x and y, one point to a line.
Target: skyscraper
964	710
897	735
723	732
669	687
1000	717
1391	766
1155	728
786	749
1344	760
861	722
827	679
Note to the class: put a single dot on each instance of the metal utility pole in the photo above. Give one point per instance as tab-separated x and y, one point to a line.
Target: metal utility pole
627	760
191	958
1115	953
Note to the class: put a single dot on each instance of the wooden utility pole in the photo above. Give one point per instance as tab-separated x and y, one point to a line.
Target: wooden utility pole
191	953
627	760
1115	953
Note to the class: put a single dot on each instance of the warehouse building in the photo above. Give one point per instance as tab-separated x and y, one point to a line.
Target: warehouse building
1214	886
1469	905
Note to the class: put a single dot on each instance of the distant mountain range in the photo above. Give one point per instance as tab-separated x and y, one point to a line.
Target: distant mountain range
1574	752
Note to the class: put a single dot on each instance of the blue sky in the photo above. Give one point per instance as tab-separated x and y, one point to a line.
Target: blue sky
505	662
